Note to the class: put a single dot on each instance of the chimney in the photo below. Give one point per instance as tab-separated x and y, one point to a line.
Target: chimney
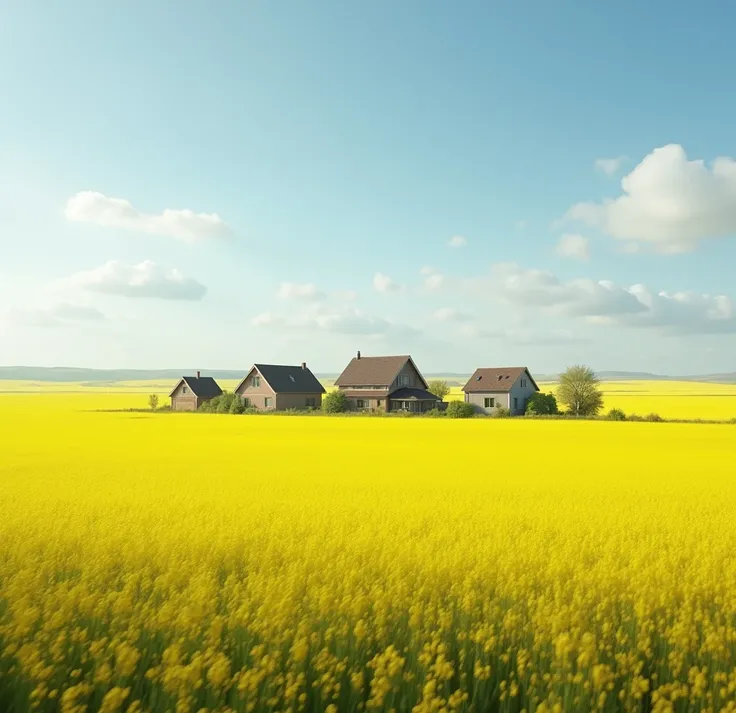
304	365
198	375
358	355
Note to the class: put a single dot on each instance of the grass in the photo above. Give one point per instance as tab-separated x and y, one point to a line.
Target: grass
157	564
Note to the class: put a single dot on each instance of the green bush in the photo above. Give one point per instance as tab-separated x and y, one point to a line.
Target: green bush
540	404
335	402
634	417
655	417
434	413
237	405
460	409
616	414
501	412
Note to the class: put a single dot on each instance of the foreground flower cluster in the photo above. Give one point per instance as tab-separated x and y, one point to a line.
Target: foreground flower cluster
175	563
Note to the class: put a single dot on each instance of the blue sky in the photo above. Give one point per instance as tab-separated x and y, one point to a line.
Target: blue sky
317	159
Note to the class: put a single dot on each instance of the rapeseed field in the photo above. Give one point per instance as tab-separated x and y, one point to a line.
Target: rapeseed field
188	562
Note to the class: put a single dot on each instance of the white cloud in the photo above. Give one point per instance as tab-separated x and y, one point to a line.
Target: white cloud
434	281
383	283
52	316
186	225
143	280
338	320
530	337
610	166
295	291
603	302
574	246
448	314
669	203
427	270
457	241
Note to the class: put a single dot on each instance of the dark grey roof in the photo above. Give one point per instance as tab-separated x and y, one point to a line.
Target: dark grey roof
290	379
409	394
205	387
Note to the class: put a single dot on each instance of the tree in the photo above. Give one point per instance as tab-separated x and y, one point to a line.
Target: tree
579	391
335	402
540	404
459	409
439	388
153	402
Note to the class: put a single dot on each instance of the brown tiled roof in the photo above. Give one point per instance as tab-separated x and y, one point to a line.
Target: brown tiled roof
494	380
371	371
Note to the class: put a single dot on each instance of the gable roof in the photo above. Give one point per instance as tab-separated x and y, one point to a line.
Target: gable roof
205	387
496	379
285	379
375	371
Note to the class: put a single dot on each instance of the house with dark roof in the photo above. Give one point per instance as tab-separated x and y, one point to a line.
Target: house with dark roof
192	391
491	388
279	387
386	383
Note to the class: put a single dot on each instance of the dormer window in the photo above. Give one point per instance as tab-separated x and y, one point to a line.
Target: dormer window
293	380
478	378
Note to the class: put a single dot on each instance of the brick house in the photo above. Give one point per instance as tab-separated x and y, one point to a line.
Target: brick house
508	387
192	391
386	383
279	387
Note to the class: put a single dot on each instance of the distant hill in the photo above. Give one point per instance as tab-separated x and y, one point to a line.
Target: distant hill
728	378
72	374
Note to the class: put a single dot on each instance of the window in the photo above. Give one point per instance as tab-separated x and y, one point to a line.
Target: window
403	380
256	381
516	403
523	382
378	403
246	403
489	402
268	402
184	390
363	403
310	402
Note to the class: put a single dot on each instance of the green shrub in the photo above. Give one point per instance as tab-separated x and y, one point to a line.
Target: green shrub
635	417
460	409
540	404
153	402
616	414
654	417
237	405
335	402
501	412
434	413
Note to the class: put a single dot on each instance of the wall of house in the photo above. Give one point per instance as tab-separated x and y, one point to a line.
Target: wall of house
521	394
415	380
371	403
298	401
256	395
478	398
183	402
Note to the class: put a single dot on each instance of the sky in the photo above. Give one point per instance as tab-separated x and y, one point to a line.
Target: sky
478	183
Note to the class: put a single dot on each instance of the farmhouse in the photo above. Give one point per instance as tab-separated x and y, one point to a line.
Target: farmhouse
192	391
386	383
508	387
278	387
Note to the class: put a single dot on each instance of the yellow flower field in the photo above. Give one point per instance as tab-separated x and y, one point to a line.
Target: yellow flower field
191	562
